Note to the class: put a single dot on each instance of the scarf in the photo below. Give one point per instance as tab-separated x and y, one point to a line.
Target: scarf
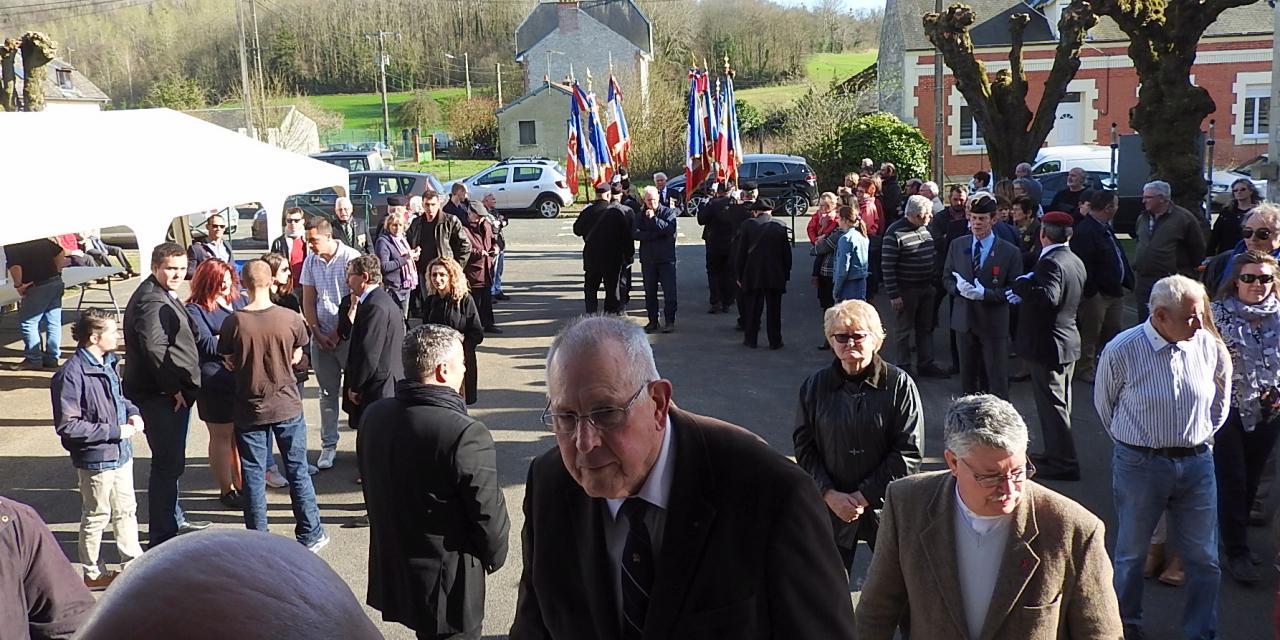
431	395
408	270
1255	375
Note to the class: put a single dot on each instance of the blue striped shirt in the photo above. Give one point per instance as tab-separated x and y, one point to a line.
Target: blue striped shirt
1153	393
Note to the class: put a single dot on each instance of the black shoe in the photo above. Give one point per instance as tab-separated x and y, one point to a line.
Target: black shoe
232	500
193	525
358	522
492	330
775	347
715	308
501	296
1241	570
738	327
934	371
951	370
651	327
27	365
750	345
669	327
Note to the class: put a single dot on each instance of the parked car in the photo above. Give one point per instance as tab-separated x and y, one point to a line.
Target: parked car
786	179
523	185
368	191
353	160
1090	157
387	153
1052	183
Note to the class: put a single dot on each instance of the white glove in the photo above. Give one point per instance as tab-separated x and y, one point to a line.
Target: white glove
128	430
1012	297
979	289
971	294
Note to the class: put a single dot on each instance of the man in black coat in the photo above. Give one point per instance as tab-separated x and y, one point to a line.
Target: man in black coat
437	515
649	521
607	246
1108	276
1048	339
353	231
717	234
374	323
762	262
654	225
162	376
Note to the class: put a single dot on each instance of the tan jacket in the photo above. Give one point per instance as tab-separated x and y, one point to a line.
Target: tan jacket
1054	582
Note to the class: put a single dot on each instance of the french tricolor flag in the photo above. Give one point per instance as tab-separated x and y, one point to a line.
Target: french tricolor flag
619	138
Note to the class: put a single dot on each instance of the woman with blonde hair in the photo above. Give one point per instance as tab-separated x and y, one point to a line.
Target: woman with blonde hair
449	303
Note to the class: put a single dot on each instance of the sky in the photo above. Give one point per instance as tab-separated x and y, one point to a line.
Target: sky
852	4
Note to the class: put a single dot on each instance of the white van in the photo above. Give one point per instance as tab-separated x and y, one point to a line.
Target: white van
1090	157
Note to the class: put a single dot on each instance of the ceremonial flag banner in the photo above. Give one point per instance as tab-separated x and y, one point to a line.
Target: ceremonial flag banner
619	138
574	159
734	143
697	162
713	130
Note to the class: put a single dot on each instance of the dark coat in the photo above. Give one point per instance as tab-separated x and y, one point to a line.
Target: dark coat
463	317
1226	229
891	198
392	260
479	265
283	246
746	554
442	237
438	521
657	235
1097	250
160	345
199	251
989	316
859	436
606	234
373	364
354	234
762	254
1047	332
85	413
214	375
42	596
717	229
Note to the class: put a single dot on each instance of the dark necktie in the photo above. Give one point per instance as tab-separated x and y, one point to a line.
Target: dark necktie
637	569
977	257
1115	248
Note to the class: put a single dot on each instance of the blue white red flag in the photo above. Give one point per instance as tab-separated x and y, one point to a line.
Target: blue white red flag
697	161
618	137
734	156
601	163
576	159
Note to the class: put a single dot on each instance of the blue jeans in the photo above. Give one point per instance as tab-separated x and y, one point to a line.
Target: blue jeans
654	274
1144	486
166	434
41	309
254	444
497	273
852	289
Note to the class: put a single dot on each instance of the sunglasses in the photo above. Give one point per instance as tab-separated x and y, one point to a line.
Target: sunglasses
1250	278
856	337
1261	234
217	226
294	220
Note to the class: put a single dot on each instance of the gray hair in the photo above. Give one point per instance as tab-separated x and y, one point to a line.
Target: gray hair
340	201
1170	292
1268	212
1021	166
1159	186
586	334
931	186
984	420
918	205
659	174
415	204
426	347
650	190
1057	233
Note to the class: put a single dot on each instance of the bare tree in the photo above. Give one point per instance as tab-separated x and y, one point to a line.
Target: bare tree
37	50
8	75
1011	131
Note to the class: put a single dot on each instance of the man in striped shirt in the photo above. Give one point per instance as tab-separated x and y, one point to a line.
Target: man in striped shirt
1162	390
908	267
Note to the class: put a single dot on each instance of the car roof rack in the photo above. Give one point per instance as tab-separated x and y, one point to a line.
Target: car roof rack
533	159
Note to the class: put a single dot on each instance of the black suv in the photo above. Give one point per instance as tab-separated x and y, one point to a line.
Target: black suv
368	191
787	179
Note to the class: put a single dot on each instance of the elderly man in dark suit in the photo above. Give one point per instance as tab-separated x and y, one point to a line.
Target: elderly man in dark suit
652	522
437	528
977	273
1048	339
654	225
607	246
373	322
353	231
762	262
980	552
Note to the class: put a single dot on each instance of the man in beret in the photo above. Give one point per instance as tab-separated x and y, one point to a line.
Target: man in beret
1048	339
352	230
607	246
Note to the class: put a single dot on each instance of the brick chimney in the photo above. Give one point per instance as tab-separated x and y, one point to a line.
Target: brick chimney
567	13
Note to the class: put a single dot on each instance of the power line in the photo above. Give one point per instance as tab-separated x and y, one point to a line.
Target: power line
102	6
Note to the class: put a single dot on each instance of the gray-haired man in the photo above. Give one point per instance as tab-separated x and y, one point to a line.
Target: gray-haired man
980	551
1170	241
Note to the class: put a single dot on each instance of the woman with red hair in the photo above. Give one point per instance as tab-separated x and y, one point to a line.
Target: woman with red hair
215	295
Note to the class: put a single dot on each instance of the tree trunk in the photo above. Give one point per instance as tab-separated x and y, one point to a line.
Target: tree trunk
1011	131
8	76
37	51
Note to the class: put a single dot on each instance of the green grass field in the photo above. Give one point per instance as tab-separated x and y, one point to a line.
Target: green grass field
819	71
363	111
446	171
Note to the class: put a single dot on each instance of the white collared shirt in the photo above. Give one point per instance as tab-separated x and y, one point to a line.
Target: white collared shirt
656	490
367	290
1045	251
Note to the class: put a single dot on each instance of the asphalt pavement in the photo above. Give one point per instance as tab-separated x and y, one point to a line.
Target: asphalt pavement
712	374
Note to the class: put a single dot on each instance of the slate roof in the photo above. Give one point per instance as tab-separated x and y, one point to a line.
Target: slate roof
903	19
622	16
233	118
82	89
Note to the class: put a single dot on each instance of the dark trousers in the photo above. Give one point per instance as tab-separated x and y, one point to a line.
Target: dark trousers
873	273
914	323
167	436
1142	295
1051	386
1238	459
624	287
720	281
484	304
755	302
591	290
826	294
984	356
655	274
115	252
473	634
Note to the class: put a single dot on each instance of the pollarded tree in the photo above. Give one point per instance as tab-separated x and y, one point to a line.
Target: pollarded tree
37	51
1163	35
1011	131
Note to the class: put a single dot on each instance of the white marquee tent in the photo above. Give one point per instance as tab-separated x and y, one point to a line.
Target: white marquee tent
67	171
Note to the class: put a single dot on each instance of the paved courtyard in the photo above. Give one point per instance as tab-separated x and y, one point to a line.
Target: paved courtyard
712	374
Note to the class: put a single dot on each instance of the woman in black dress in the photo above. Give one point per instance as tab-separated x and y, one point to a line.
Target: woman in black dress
449	303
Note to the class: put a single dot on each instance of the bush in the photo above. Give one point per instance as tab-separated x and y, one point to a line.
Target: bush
473	122
174	91
880	136
421	110
750	117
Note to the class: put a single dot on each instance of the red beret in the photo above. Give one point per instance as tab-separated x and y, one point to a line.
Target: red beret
1059	218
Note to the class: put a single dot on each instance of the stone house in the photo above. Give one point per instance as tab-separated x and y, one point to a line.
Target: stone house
65	87
535	124
1233	63
587	34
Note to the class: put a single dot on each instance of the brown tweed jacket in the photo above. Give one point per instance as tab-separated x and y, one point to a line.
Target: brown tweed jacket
1054	581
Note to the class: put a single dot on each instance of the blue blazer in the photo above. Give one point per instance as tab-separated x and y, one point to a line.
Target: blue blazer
852	258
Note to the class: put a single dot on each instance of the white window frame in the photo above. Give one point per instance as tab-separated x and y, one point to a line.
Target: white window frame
1249	85
957	102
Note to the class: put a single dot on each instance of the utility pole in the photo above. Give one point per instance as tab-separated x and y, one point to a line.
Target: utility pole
466	61
498	66
939	108
257	61
1273	137
244	72
383	59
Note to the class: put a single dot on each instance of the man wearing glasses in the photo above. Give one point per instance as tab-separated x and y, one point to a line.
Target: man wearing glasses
649	521
214	245
1170	241
1260	231
979	551
293	246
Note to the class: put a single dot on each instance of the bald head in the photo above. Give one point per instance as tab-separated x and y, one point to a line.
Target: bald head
256	274
229	583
